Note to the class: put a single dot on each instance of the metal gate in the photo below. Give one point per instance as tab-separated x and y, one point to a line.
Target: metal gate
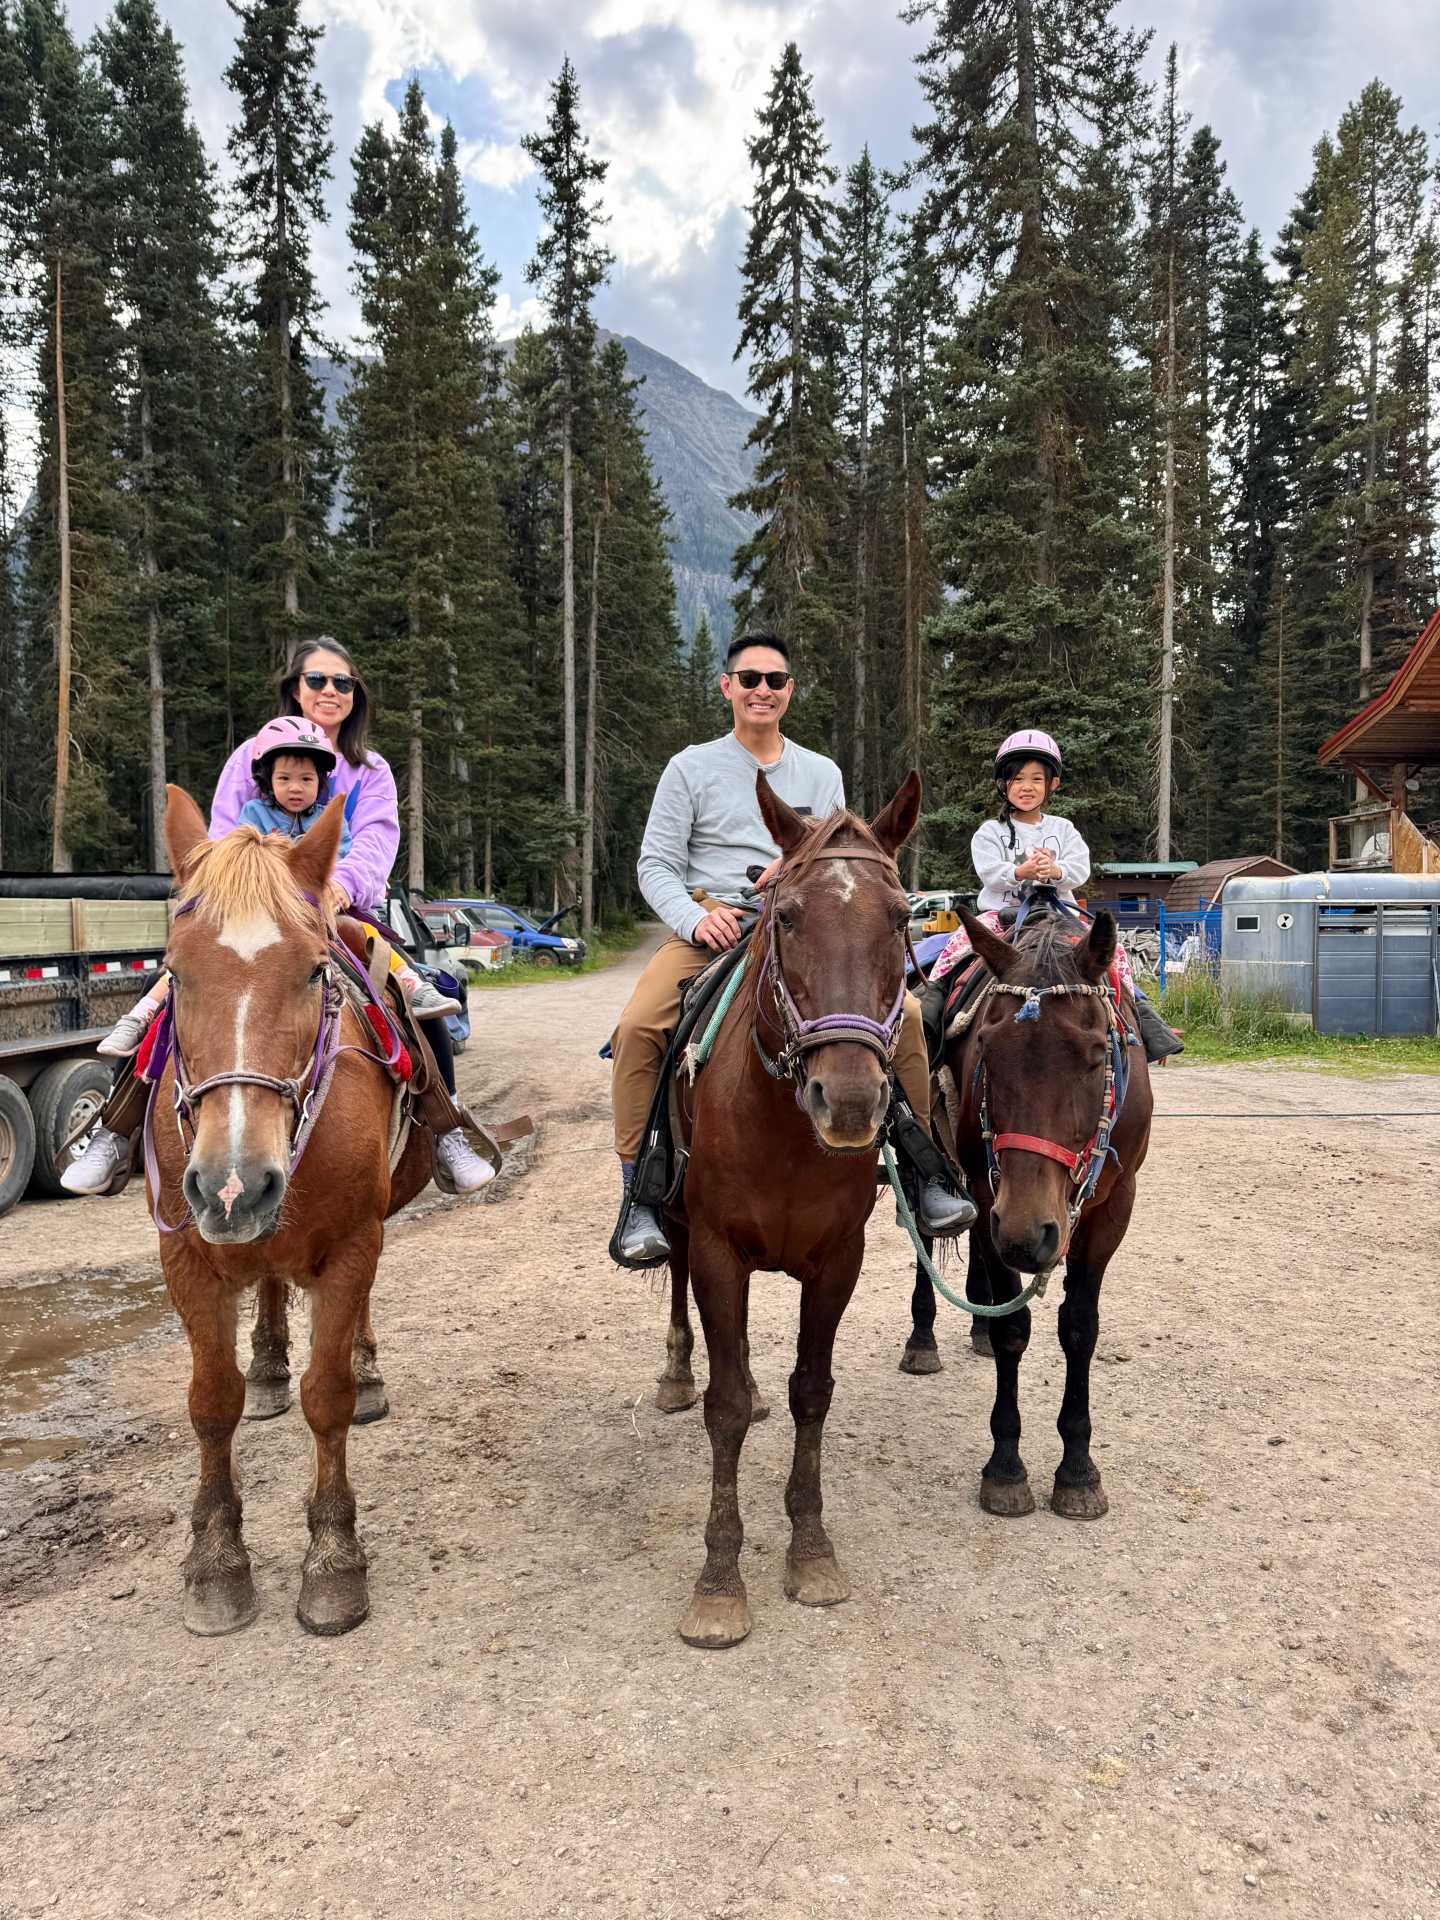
1376	969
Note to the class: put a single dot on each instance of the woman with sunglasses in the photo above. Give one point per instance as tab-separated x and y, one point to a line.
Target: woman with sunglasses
323	685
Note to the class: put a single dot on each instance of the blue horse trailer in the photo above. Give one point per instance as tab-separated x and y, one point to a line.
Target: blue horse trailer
1355	953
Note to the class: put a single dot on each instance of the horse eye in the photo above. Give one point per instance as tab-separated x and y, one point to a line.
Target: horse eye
318	975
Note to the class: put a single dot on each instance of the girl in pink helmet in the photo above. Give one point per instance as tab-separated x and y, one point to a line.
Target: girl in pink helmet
1025	847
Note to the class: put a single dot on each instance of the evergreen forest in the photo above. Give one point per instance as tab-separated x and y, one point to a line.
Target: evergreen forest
1047	436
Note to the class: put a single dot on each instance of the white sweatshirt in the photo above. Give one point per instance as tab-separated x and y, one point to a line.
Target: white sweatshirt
995	861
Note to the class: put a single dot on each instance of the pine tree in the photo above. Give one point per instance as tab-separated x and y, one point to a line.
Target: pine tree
790	328
169	262
60	216
861	250
282	149
569	266
1027	163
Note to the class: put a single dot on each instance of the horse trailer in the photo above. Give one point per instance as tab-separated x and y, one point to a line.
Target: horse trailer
1355	953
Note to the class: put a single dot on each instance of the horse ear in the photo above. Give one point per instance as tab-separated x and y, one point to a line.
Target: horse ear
894	826
184	827
998	954
785	827
313	857
1099	950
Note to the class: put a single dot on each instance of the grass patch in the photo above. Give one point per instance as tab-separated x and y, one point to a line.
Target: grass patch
602	949
1257	1028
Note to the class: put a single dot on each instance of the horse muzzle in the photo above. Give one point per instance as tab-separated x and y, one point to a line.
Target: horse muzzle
234	1204
847	1100
1026	1242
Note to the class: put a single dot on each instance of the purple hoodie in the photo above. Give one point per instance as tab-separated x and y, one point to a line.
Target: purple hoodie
374	820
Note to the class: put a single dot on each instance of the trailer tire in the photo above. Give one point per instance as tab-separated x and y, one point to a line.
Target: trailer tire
62	1096
17	1143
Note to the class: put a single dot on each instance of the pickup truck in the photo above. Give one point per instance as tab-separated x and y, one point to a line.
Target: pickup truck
75	951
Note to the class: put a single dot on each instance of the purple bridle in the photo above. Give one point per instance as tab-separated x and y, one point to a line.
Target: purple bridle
306	1092
801	1036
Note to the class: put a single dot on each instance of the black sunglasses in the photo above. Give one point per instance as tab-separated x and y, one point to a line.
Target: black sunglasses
750	677
342	682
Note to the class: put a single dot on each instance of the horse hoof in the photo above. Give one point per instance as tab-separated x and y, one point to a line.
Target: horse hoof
674	1396
1079	1503
222	1605
334	1601
815	1583
264	1399
759	1406
1010	1499
715	1620
980	1344
371	1403
921	1360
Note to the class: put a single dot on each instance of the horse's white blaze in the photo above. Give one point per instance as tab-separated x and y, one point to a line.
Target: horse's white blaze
249	936
237	1094
844	882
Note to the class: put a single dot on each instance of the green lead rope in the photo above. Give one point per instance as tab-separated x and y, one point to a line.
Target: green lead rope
726	1001
1035	1290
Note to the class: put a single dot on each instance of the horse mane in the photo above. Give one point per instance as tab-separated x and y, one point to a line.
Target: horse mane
244	877
1048	948
821	833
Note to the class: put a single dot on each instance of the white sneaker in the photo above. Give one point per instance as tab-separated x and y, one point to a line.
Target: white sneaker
458	1168
98	1165
428	1003
125	1036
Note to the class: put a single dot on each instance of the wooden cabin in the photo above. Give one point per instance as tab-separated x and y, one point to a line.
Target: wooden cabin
1384	746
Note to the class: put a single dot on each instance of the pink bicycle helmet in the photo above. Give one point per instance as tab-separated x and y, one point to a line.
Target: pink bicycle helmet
1029	744
291	733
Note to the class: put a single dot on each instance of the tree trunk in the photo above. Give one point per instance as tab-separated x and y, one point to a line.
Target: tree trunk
60	859
910	638
567	629
415	766
1164	775
464	863
862	532
793	563
1372	450
1029	268
287	436
149	568
1280	729
592	694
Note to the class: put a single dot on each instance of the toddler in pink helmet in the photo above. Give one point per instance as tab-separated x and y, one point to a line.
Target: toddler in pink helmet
291	762
1025	847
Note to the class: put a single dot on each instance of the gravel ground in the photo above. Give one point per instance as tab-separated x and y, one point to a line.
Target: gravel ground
1222	1698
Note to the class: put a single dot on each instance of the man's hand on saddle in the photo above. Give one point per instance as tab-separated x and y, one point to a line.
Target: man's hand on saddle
720	929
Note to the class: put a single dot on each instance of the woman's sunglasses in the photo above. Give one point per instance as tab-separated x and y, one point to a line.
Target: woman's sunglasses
317	682
750	677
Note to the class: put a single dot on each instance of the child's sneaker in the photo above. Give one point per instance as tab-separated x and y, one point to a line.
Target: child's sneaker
458	1168
428	1003
128	1031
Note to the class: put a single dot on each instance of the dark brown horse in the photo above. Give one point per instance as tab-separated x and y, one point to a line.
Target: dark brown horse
1034	1071
249	961
783	1129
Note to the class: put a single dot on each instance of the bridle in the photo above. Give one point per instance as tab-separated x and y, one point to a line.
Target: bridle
1086	1166
801	1037
306	1091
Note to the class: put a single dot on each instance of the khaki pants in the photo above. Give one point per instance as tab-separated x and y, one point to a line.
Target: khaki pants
645	1027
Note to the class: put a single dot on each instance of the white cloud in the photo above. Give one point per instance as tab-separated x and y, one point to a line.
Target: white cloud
490	164
511	319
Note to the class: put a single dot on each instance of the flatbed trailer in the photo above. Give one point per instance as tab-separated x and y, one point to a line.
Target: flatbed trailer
75	951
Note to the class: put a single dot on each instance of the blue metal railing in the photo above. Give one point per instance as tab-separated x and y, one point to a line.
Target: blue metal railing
1176	928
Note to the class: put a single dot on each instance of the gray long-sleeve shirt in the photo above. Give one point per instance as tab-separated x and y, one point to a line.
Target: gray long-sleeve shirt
995	861
705	827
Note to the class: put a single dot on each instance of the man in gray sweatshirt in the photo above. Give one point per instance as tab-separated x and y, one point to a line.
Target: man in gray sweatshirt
705	829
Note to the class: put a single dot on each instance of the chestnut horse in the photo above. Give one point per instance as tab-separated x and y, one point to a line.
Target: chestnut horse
1030	1082
783	1131
253	1001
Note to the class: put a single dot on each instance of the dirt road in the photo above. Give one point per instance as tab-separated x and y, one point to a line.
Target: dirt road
1221	1699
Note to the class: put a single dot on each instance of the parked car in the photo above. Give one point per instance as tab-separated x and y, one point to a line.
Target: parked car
533	940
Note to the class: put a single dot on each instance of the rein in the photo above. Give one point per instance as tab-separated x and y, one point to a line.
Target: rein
306	1092
801	1037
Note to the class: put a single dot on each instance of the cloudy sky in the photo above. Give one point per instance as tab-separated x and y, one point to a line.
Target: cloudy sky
669	90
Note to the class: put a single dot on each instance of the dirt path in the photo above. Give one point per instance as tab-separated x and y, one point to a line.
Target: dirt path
1222	1698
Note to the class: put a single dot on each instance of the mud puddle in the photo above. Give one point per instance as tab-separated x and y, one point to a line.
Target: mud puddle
53	1331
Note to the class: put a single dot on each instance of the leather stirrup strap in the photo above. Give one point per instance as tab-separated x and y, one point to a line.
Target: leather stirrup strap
378	966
